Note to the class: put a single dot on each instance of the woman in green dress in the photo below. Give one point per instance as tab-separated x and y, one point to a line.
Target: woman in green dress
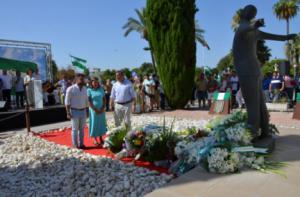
96	97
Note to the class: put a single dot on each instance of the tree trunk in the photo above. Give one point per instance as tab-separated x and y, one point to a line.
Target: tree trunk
287	26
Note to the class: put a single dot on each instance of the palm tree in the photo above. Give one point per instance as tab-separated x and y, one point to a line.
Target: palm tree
236	20
139	25
286	10
199	35
295	50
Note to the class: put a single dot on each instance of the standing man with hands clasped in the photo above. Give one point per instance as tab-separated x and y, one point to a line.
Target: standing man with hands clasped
76	103
122	96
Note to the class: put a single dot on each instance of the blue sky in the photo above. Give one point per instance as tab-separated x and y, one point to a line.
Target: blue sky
92	29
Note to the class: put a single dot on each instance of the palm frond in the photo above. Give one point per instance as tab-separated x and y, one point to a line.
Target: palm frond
141	15
199	35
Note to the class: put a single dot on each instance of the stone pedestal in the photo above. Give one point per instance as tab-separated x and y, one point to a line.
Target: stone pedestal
267	142
296	114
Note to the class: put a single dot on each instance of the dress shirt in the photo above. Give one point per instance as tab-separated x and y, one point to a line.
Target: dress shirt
76	98
122	92
64	85
19	84
7	82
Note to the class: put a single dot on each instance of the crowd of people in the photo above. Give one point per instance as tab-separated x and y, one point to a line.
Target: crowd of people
17	89
276	88
207	85
279	88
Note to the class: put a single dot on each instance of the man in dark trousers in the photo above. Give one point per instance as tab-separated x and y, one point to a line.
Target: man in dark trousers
248	68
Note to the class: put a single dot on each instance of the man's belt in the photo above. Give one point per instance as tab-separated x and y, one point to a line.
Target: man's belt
124	103
78	109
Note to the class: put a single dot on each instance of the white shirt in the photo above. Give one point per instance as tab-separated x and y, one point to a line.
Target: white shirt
122	92
28	79
7	82
76	98
147	84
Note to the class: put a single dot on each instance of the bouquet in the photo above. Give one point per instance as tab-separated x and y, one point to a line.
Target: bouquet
134	142
114	139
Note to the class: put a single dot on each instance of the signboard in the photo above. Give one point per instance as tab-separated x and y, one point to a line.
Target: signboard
221	103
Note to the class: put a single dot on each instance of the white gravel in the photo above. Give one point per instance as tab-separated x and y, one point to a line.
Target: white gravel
30	166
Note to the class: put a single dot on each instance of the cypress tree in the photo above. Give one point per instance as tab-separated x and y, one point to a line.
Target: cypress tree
171	29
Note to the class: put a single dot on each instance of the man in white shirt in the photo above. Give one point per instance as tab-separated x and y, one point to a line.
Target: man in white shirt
122	96
6	88
76	102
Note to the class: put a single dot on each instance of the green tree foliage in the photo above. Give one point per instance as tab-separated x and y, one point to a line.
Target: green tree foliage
144	69
108	74
225	63
295	50
54	69
269	67
69	73
263	51
171	29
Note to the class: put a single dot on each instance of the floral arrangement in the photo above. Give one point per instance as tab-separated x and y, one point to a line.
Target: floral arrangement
134	143
115	138
226	149
160	145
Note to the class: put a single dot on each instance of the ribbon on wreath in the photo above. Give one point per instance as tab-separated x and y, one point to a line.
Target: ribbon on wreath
246	149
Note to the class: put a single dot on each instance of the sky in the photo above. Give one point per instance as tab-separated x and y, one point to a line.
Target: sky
92	29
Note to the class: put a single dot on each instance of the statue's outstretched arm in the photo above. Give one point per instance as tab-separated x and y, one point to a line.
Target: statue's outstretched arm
267	36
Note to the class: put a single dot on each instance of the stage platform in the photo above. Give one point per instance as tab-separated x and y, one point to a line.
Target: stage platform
16	119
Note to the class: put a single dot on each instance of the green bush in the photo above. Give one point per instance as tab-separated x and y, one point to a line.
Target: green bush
171	29
160	146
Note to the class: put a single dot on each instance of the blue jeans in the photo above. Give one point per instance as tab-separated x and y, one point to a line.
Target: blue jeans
78	121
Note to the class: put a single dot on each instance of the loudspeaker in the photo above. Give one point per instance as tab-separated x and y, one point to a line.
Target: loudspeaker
284	68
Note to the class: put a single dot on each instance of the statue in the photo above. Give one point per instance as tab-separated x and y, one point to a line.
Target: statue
248	69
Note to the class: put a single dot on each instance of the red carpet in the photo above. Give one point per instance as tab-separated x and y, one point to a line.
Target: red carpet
64	138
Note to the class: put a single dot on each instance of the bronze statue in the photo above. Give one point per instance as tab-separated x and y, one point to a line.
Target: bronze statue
248	68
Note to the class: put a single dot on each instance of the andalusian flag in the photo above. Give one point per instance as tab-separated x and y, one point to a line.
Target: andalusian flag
207	70
221	96
79	63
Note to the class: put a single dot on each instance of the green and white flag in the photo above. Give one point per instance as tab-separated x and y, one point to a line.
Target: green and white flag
79	63
78	59
221	96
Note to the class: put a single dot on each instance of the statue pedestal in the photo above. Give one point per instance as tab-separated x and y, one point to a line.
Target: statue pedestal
267	142
296	114
221	103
